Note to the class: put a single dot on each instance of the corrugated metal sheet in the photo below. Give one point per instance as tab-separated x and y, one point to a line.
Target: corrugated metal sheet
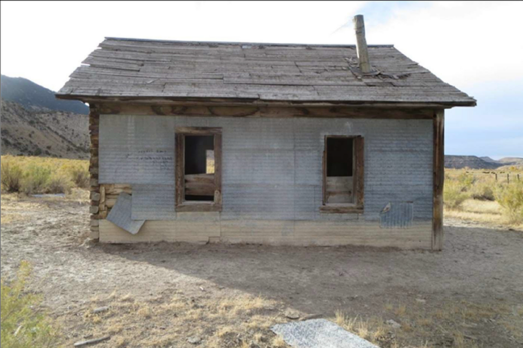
153	202
120	214
397	215
265	201
281	178
319	333
136	150
261	166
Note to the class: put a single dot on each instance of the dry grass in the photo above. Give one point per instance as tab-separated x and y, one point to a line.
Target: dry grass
24	324
479	211
372	329
144	311
483	212
452	324
43	174
400	310
344	321
473	196
119	341
9	217
278	342
238	320
15	206
235	305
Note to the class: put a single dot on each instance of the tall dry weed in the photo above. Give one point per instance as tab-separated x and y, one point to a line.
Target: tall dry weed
510	197
11	175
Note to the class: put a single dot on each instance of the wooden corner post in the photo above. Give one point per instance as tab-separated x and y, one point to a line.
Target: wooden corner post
439	177
95	194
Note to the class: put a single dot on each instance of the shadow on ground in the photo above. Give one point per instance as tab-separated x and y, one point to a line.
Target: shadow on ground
321	280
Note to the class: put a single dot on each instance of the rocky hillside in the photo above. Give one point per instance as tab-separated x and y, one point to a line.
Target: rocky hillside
474	162
43	133
37	98
488	159
511	161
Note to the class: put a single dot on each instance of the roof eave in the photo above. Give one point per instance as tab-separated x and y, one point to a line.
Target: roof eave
246	101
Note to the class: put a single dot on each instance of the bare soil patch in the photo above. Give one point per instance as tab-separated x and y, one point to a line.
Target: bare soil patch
169	295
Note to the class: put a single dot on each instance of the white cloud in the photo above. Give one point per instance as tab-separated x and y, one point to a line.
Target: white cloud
464	43
46	41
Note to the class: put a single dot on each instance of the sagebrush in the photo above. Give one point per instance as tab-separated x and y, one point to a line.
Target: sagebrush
80	176
510	197
503	186
32	175
11	176
36	179
483	191
454	194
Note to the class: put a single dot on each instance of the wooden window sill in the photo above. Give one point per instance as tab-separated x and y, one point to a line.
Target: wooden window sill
341	209
198	206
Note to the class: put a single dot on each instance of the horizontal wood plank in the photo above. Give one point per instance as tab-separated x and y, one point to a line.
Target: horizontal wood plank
198	206
262	111
340	208
340	189
199	185
354	232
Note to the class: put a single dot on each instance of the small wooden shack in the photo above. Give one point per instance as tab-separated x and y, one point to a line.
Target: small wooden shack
264	143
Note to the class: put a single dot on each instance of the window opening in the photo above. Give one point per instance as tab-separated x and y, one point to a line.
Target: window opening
340	170
199	168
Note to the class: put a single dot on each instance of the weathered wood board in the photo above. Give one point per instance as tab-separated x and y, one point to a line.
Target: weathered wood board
126	68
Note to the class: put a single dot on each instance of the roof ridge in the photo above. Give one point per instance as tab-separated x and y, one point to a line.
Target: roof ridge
241	43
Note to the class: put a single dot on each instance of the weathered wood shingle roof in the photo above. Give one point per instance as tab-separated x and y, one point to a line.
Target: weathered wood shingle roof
127	68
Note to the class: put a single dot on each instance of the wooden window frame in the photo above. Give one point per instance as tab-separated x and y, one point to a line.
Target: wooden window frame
358	178
180	203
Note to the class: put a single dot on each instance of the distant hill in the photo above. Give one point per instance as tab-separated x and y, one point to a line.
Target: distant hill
43	133
37	98
518	161
488	159
474	162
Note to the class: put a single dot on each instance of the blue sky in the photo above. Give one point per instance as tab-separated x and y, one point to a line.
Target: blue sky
475	46
494	127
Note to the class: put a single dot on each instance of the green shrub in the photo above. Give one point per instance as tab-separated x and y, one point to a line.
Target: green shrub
80	176
36	179
453	194
59	184
43	174
466	181
510	197
11	176
483	191
23	326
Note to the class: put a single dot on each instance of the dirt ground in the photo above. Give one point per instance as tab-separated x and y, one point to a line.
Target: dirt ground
182	295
